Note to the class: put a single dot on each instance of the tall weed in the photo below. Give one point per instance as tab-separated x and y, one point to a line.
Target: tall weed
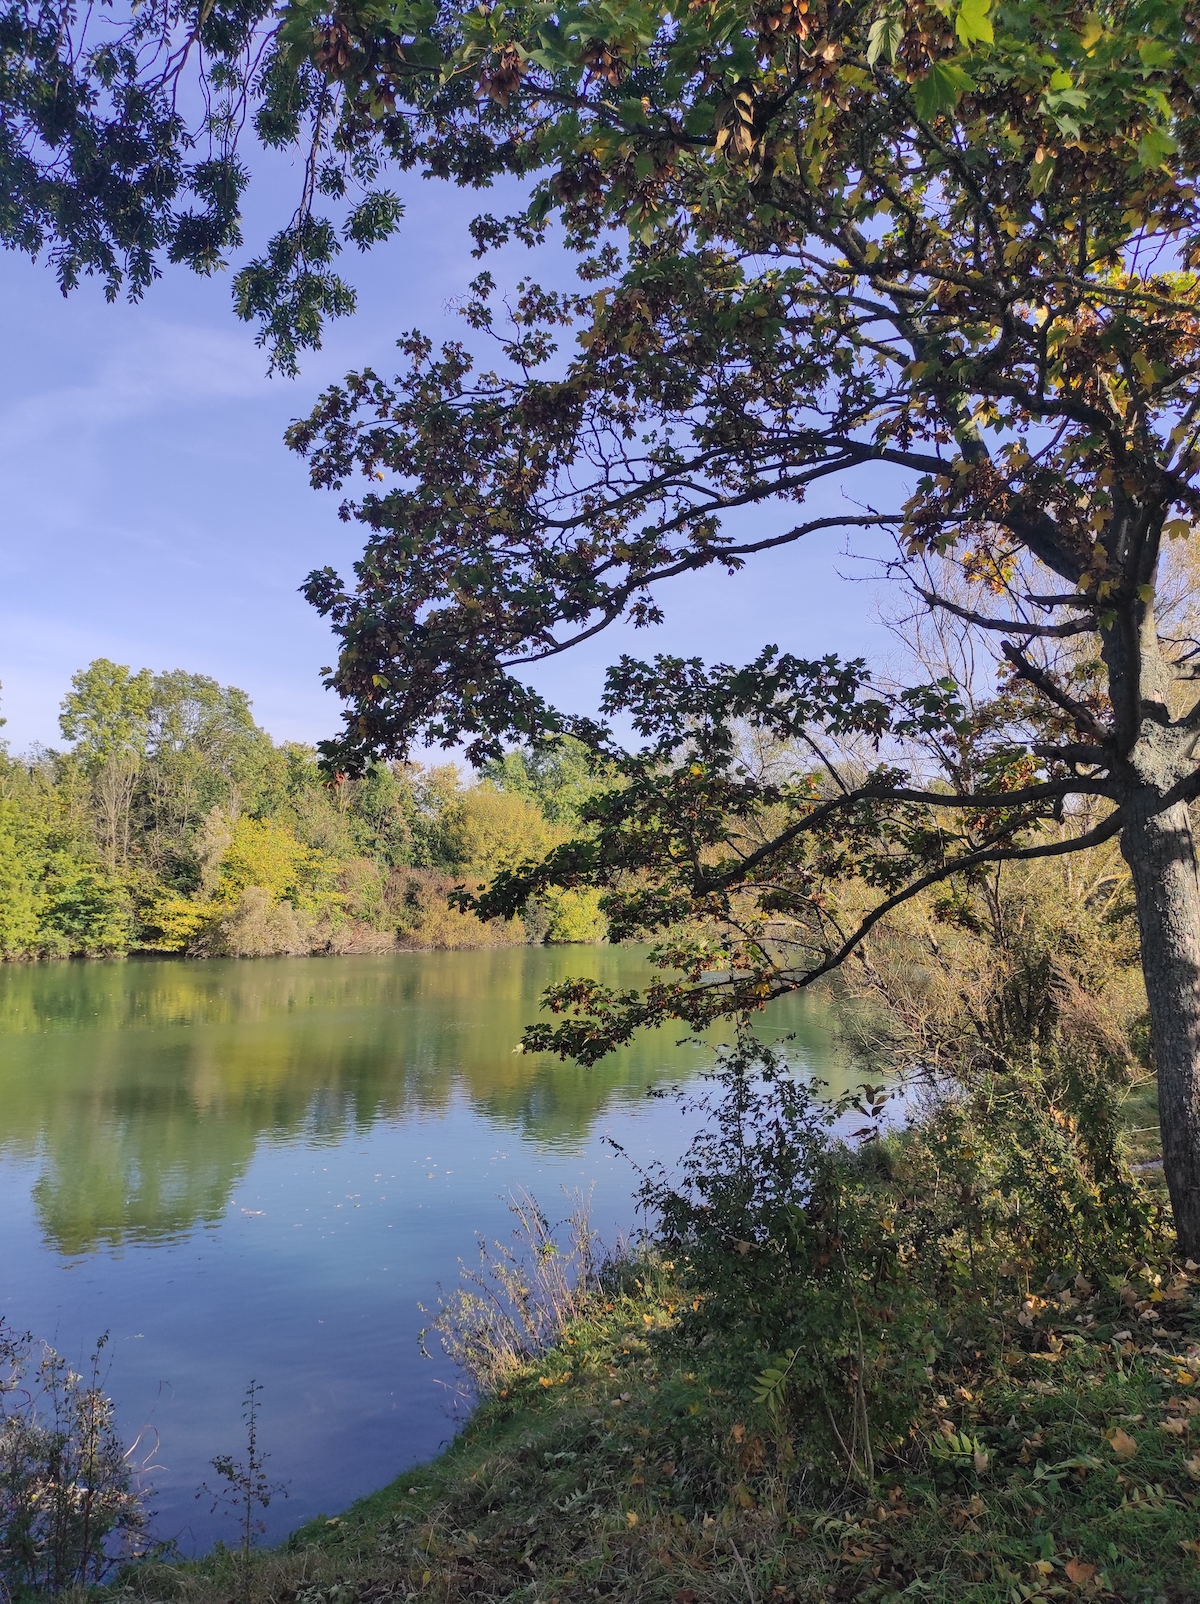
521	1295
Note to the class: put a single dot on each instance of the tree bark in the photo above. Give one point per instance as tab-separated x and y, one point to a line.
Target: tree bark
1161	854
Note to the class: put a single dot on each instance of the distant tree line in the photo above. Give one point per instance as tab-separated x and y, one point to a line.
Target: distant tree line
172	822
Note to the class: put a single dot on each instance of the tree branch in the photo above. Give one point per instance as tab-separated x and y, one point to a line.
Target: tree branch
1038	677
1053	790
1076	626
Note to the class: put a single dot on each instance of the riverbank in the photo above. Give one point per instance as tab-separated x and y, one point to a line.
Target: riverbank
629	1463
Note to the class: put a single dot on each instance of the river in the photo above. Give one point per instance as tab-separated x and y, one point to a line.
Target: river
260	1169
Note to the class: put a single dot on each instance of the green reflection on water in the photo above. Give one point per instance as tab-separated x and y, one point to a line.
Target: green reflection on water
144	1088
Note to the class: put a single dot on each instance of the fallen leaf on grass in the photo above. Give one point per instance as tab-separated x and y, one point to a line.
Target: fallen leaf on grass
1192	1466
1079	1571
1174	1425
630	1518
1121	1443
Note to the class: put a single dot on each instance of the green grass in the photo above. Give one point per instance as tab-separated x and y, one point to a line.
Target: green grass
627	1464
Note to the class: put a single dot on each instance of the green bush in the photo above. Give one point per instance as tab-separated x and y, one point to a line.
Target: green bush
842	1268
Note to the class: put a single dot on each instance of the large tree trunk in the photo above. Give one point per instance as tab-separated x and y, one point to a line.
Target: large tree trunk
1161	855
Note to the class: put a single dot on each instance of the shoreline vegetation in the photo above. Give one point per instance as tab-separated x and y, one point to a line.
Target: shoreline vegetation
905	1387
173	824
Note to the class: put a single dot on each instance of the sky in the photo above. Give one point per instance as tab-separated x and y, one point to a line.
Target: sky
150	513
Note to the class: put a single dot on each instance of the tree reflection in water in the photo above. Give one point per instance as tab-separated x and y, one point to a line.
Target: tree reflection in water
144	1088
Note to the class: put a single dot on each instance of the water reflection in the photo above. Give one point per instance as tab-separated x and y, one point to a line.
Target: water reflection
262	1168
144	1089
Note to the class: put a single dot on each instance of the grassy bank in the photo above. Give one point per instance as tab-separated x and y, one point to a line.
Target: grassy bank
625	1464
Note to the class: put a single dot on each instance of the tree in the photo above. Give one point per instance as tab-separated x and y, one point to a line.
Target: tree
106	713
939	254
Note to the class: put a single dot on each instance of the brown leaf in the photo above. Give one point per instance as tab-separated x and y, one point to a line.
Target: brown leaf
739	1431
1121	1443
1079	1571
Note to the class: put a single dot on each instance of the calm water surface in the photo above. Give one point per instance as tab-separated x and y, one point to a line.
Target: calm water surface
261	1168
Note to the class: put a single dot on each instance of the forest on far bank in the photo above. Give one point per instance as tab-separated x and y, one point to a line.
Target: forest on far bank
172	822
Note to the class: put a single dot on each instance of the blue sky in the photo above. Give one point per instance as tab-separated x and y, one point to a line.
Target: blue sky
151	513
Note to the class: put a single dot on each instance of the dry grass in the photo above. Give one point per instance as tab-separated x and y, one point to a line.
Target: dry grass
521	1297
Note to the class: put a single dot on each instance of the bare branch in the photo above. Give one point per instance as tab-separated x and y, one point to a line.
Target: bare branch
1076	626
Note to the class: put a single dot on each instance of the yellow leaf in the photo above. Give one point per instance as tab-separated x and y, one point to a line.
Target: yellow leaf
630	1518
1121	1443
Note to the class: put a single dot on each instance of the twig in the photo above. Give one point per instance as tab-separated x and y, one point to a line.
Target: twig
742	1568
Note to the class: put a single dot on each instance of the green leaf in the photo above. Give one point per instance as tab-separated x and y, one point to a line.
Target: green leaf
1155	53
938	92
1155	145
972	24
1040	172
884	39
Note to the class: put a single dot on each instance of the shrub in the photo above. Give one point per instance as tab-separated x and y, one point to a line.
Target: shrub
257	927
842	1270
69	1509
574	916
425	918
